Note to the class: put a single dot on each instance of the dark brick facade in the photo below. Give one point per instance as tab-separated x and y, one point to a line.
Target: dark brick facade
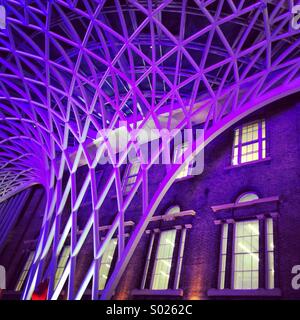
220	183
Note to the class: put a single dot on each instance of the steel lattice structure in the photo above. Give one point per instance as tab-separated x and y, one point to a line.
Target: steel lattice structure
70	68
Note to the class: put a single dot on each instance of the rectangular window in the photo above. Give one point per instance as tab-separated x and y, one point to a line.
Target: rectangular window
223	256
249	143
131	175
245	270
246	255
62	264
106	262
163	261
270	253
25	271
178	158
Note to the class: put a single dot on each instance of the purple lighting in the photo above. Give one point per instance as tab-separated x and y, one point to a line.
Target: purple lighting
70	69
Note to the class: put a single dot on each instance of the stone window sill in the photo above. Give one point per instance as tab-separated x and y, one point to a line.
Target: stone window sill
244	293
183	178
148	292
252	163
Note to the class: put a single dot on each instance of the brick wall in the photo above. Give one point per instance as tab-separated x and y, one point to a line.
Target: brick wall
218	184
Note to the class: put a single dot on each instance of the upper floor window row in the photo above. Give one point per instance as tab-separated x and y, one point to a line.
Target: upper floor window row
249	143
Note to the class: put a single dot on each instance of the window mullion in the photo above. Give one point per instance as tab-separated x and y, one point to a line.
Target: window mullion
148	261
260	144
262	253
155	262
240	145
180	257
229	270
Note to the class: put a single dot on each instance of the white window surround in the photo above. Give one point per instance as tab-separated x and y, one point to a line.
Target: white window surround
163	261
249	143
165	287
244	293
246	245
223	256
173	216
148	292
227	206
248	164
174	290
269	254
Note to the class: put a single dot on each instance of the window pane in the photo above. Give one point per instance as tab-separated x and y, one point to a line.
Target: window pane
247	197
263	129
173	210
246	253
178	158
62	264
270	252
249	143
105	263
163	261
131	175
236	137
235	156
223	253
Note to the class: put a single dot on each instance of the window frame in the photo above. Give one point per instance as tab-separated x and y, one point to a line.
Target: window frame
115	240
127	176
233	270
239	146
177	256
189	166
238	200
263	236
221	255
268	252
153	273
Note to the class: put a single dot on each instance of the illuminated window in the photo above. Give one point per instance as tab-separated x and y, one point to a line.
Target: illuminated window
62	264
161	271
173	210
178	158
246	255
270	253
246	197
223	255
246	238
163	261
25	271
249	143
106	262
132	171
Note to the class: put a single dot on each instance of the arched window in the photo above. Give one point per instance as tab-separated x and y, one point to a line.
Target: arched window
246	197
173	210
